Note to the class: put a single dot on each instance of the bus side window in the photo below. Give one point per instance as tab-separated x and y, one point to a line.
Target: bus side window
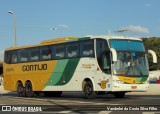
101	47
87	48
59	51
23	55
45	53
7	57
106	62
34	54
14	57
72	50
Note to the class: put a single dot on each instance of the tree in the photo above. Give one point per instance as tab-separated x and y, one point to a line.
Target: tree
153	43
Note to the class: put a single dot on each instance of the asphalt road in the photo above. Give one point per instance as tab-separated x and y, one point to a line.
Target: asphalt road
75	103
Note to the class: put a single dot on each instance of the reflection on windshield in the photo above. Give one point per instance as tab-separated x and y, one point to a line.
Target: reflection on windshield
131	64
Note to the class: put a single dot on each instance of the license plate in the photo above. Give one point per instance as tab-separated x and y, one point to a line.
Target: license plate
133	87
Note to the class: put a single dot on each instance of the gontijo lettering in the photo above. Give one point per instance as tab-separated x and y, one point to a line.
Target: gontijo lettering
35	67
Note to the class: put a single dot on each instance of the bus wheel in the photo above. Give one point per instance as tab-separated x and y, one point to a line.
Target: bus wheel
20	89
88	90
119	94
29	90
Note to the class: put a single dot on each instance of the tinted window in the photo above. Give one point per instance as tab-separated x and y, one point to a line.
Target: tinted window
87	48
126	45
11	57
7	58
45	53
34	52
59	51
72	50
101	48
23	55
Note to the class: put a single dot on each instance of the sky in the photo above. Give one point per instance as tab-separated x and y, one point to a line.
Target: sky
38	20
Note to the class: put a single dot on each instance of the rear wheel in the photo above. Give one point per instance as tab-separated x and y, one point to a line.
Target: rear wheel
119	94
29	90
20	89
89	91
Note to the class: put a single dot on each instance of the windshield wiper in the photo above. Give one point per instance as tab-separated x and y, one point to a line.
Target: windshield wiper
135	66
138	69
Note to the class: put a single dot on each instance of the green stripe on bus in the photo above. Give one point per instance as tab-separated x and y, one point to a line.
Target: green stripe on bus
144	79
141	79
57	72
63	72
68	71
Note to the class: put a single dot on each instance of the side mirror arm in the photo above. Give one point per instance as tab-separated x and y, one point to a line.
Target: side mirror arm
114	54
154	56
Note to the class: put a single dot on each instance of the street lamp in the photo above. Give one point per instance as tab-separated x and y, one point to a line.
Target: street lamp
10	12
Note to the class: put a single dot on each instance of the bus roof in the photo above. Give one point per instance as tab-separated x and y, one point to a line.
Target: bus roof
46	42
58	40
72	38
116	37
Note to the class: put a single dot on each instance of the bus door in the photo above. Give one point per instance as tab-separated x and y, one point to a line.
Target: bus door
106	69
104	62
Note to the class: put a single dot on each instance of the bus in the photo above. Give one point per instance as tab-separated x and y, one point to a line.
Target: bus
93	65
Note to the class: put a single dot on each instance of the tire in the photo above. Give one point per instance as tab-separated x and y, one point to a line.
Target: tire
89	92
52	93
119	94
29	90
20	89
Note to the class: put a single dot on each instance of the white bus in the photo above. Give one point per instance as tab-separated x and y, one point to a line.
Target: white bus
94	65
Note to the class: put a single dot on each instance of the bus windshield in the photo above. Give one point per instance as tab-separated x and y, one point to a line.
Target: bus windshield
131	64
131	58
127	45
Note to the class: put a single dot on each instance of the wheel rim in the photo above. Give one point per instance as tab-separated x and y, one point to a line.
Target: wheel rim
88	90
20	89
28	89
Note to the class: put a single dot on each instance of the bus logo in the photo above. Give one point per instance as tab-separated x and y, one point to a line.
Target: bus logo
103	83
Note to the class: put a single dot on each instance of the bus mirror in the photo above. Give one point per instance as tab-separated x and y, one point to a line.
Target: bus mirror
114	54
153	55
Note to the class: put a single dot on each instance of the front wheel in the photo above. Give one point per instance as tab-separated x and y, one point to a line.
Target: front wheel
89	91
